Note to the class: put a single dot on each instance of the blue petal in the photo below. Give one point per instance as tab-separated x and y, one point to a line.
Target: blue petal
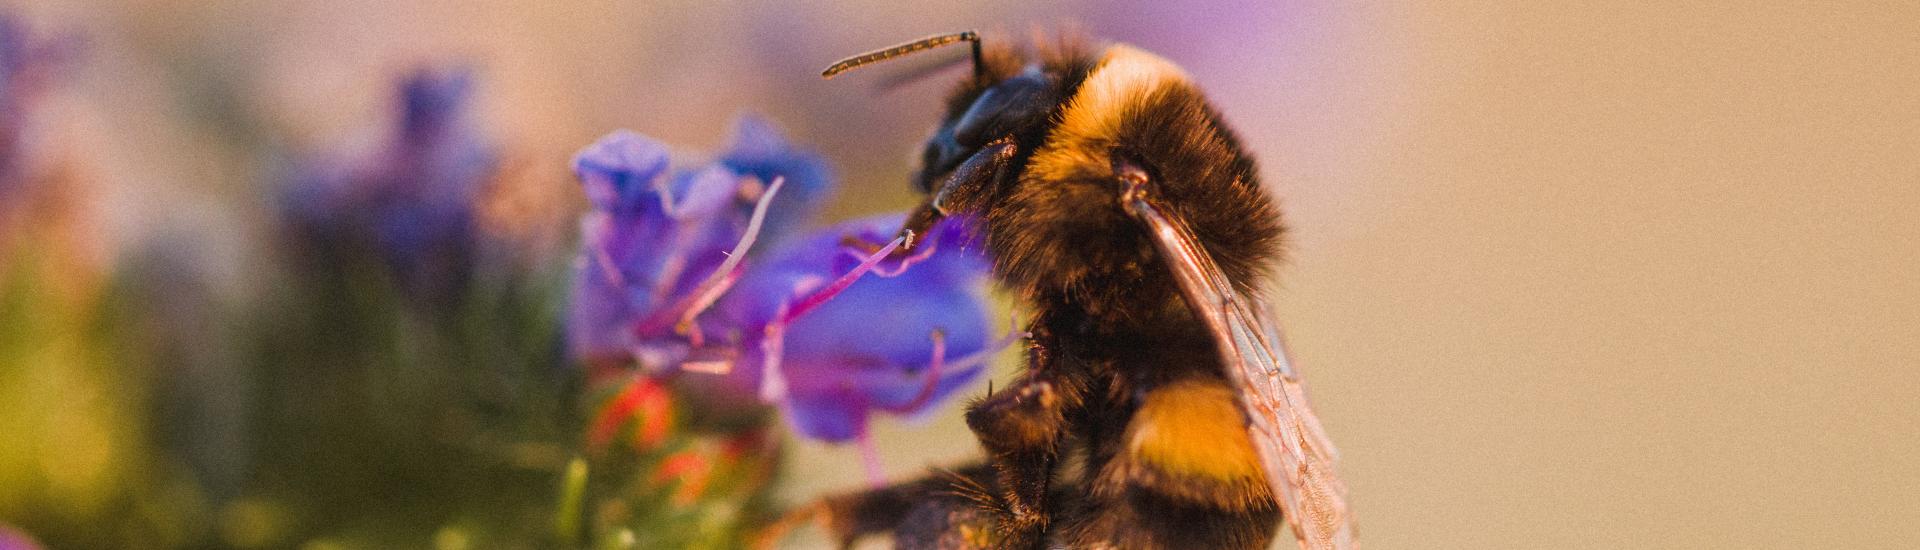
699	194
888	324
598	306
648	243
618	171
866	350
870	346
761	151
833	416
893	391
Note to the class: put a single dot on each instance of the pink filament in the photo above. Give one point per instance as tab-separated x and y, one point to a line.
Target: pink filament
933	375
938	364
821	296
773	381
870	458
723	277
924	252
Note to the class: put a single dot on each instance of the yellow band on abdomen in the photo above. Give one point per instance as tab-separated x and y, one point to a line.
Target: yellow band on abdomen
1194	427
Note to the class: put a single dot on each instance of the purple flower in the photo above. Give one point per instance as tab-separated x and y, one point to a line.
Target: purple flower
652	238
409	202
830	327
26	63
898	340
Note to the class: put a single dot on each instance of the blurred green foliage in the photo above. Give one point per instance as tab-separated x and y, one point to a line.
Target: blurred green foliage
337	412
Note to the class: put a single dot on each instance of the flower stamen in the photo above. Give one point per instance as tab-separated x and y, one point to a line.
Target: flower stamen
773	381
938	364
716	284
833	289
922	253
608	268
870	458
934	367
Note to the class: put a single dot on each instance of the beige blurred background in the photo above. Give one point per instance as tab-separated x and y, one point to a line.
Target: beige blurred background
1564	275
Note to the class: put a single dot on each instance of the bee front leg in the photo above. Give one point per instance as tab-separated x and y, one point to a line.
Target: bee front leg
1021	429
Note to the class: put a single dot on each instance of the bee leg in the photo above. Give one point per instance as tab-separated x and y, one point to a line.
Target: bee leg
964	189
1021	428
976	179
919	222
930	512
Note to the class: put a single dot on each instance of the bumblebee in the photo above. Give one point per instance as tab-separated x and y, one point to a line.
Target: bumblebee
1158	408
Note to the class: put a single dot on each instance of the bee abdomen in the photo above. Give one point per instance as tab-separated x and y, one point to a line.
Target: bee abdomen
1184	474
1188	441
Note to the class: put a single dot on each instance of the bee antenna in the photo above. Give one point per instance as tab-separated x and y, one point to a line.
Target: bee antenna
916	46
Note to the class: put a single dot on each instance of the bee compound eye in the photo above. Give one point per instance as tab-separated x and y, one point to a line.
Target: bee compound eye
1013	105
940	155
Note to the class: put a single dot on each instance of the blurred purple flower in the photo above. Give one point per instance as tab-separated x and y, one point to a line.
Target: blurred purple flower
26	63
829	327
11	539
411	201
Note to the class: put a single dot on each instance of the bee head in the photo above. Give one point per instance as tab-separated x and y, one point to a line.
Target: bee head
1003	112
1058	227
1041	144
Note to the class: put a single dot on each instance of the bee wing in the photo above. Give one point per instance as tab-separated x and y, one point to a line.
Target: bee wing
1294	450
